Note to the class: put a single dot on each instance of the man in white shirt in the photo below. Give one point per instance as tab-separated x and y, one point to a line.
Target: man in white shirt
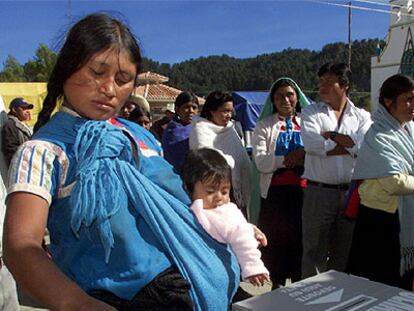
332	133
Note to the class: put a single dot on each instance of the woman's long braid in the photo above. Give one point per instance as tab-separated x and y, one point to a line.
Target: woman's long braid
49	104
54	91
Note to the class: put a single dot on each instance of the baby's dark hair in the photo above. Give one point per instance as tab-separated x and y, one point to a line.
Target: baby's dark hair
204	165
342	72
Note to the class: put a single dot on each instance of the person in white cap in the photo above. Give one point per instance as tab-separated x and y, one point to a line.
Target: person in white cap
131	104
141	101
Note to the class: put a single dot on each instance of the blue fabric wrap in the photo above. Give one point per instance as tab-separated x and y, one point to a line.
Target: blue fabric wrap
175	143
137	256
105	165
289	140
388	150
144	134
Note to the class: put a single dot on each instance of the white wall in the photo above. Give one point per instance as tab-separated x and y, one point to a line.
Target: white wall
388	62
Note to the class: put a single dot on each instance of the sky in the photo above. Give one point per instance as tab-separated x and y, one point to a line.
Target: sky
175	31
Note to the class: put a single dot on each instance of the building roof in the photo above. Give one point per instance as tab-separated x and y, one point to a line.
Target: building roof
157	92
150	86
151	78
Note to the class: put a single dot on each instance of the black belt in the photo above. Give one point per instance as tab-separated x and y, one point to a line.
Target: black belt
329	186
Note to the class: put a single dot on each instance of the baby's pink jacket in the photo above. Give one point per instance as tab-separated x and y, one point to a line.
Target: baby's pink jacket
226	224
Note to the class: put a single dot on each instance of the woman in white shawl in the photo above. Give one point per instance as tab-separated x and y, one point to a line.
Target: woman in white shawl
383	243
214	129
279	157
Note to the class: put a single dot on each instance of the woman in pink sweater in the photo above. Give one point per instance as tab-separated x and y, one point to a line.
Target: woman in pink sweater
207	178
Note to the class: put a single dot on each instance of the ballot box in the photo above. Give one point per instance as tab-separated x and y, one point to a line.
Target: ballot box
331	291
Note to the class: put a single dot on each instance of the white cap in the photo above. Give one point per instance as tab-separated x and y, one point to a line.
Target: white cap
170	107
140	101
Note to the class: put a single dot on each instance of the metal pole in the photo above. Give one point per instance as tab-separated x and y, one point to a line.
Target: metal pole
349	33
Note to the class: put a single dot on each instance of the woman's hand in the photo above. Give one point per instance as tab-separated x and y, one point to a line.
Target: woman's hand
259	279
259	236
295	158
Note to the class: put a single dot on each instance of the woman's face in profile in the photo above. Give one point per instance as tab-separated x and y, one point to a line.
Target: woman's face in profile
402	108
98	90
223	114
284	100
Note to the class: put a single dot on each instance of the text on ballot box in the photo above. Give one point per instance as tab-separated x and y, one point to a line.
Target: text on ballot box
331	291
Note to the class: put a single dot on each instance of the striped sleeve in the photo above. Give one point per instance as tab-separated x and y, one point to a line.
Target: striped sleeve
39	168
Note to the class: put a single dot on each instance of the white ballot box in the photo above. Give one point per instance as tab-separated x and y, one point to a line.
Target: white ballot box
331	291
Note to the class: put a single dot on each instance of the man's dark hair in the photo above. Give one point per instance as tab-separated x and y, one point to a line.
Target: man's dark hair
341	71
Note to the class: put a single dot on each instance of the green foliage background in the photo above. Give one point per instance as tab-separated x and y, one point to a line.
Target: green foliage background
204	74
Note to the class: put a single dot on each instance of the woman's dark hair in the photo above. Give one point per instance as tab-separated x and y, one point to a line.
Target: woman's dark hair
204	165
185	97
281	83
213	102
342	72
92	34
394	86
137	113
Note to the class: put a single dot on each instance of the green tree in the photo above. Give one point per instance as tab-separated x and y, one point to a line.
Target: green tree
39	68
13	71
205	74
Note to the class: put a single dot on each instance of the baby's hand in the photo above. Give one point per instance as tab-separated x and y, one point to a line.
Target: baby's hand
259	236
258	279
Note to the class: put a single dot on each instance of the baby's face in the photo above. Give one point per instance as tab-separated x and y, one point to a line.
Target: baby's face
213	195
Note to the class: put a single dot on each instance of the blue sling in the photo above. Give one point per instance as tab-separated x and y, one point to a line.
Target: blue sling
106	165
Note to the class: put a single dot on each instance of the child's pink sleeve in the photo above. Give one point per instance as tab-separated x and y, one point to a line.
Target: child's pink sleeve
244	245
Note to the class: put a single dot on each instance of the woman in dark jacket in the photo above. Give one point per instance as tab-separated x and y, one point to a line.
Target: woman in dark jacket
176	136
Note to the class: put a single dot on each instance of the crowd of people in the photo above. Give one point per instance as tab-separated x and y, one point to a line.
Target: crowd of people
146	216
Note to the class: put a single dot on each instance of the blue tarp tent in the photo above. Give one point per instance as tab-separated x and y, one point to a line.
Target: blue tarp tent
248	106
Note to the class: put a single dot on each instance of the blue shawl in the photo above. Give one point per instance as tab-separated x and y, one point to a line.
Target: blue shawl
106	165
388	150
175	143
